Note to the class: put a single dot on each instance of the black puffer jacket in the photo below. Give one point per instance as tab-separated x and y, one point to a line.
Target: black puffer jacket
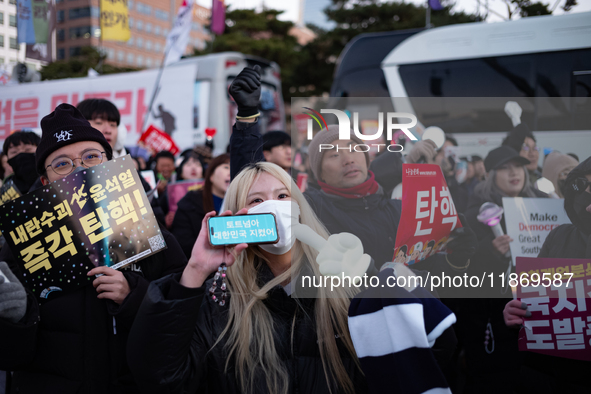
187	220
75	343
170	346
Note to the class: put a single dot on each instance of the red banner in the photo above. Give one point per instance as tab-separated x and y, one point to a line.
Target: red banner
557	293
428	214
157	140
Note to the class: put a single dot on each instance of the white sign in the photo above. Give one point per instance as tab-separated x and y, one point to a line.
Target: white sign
23	106
529	221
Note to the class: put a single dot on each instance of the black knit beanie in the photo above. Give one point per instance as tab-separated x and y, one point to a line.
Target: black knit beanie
63	127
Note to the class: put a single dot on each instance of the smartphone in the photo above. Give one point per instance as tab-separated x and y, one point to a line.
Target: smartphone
251	229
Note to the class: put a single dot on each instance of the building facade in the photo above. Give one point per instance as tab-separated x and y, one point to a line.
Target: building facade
149	20
8	44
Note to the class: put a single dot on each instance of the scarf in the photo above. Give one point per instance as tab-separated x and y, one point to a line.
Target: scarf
370	186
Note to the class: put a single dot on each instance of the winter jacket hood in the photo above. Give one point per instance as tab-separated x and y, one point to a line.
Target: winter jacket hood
569	193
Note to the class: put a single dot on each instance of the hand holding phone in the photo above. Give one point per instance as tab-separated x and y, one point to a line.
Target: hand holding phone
255	229
206	258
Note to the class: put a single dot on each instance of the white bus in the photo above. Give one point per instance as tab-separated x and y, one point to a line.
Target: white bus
459	77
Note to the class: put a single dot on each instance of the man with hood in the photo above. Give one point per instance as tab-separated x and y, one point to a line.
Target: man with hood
546	374
556	168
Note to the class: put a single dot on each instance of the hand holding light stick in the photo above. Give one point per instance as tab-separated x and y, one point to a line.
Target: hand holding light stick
491	214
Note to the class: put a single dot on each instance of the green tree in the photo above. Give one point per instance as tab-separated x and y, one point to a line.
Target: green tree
315	71
259	34
78	66
525	8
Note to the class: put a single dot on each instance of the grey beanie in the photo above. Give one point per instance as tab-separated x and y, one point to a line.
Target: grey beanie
326	136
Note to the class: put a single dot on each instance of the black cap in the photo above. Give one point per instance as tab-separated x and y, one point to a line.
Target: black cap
499	156
65	126
272	139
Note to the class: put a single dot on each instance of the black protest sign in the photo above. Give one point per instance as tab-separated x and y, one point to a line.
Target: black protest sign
96	217
9	192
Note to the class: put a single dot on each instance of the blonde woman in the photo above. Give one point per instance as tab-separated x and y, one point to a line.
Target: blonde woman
261	340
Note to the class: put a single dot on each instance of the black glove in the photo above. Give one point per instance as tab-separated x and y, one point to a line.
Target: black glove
246	91
462	244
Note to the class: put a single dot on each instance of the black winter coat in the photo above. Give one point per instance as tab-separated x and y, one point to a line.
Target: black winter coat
490	368
171	344
187	220
565	241
571	241
75	343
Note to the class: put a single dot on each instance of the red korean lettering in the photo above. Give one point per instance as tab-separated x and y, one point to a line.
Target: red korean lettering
26	113
6	115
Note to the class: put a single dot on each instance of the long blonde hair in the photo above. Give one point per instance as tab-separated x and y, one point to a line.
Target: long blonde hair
249	329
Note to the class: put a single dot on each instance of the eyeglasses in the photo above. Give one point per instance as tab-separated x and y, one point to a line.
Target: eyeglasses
65	165
580	185
527	148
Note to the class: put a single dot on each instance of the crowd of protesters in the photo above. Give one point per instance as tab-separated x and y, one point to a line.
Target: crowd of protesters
196	318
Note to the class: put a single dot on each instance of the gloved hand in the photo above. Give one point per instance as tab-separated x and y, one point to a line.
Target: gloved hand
13	297
462	244
514	312
343	254
425	149
246	91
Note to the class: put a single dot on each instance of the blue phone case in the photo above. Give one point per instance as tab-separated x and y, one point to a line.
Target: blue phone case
251	229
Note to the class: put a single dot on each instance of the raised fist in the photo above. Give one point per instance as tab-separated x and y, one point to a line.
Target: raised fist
246	91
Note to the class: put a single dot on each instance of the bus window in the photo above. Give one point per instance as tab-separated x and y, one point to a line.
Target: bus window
369	82
511	76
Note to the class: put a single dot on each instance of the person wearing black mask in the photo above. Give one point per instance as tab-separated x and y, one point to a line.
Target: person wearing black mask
20	148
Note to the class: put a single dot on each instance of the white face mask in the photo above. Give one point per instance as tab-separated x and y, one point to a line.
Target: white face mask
286	213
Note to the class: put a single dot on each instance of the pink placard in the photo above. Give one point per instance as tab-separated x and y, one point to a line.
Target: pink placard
560	324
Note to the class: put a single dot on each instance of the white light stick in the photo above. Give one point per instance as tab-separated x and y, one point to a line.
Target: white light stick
513	111
308	236
434	134
348	250
545	185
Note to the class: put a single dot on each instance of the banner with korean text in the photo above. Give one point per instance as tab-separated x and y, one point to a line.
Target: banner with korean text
114	20
558	295
24	105
428	214
9	192
99	216
529	221
156	140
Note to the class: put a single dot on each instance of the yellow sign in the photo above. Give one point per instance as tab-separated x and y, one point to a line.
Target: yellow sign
115	20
